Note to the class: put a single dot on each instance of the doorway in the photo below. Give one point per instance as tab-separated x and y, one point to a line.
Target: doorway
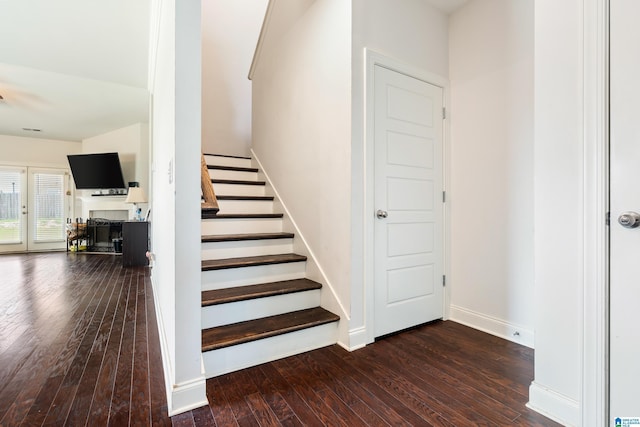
34	205
406	206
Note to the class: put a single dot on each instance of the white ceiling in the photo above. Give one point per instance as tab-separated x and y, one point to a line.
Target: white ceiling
73	68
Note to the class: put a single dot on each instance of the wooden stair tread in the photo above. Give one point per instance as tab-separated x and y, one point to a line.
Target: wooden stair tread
237	182
208	213
251	330
227	155
258	198
251	261
232	168
242	237
243	293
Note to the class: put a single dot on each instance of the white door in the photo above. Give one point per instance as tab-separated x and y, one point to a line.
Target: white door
34	205
48	209
13	209
408	231
625	196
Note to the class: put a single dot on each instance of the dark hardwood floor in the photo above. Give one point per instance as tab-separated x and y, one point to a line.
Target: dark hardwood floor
79	346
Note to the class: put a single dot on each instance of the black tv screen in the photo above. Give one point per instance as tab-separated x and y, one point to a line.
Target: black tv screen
96	171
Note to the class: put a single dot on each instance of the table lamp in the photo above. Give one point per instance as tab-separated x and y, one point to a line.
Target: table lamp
136	195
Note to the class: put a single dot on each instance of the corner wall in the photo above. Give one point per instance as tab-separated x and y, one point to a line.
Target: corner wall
302	125
491	189
175	211
560	187
229	34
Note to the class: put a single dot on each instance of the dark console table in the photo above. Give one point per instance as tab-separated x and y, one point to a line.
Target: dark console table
135	243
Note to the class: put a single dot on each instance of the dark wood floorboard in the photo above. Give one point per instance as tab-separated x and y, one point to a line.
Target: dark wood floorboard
79	347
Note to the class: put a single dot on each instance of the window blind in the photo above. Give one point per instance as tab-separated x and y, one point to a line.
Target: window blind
49	207
10	209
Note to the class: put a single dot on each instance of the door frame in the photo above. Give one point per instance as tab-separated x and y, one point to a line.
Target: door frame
68	205
373	58
595	327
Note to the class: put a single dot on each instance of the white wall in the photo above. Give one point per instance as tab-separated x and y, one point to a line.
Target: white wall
230	31
491	190
302	126
415	34
175	217
22	151
559	209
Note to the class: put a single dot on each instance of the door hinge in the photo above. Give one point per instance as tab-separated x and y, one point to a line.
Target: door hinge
608	219
444	113
444	280
444	196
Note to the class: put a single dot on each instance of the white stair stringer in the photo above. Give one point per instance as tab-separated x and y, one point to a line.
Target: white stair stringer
232	277
229	359
240	311
244	248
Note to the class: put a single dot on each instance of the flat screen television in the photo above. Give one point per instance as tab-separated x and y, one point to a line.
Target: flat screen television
96	171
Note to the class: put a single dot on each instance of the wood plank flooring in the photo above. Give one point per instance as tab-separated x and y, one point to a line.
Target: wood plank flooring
79	346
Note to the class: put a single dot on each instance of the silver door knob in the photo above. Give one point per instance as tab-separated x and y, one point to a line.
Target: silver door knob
629	219
381	214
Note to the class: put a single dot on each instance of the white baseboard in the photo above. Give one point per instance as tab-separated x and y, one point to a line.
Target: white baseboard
491	325
180	397
357	338
187	396
555	406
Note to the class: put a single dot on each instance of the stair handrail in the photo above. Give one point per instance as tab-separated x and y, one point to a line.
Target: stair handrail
210	202
263	34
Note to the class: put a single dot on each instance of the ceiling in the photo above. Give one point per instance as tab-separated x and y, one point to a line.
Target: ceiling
73	68
78	68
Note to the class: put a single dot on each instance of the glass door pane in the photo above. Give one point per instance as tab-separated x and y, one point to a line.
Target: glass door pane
12	209
47	209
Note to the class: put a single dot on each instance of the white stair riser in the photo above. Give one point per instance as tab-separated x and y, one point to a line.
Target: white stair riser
227	161
225	314
232	277
225	174
240	225
238	190
229	359
220	250
245	206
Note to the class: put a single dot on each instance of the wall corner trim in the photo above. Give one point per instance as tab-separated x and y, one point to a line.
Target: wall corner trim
357	338
187	395
553	405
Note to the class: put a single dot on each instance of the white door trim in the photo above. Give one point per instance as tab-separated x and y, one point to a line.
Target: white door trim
372	59
595	393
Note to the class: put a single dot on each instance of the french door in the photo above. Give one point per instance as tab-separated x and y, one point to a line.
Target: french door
34	204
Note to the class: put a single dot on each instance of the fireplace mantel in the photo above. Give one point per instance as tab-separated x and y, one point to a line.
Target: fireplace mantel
106	206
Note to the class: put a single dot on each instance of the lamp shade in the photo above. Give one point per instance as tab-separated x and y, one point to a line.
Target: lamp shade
136	195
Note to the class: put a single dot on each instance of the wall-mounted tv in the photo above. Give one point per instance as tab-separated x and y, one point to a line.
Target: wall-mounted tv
96	171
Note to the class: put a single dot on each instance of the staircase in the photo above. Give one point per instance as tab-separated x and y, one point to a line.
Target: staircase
257	305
